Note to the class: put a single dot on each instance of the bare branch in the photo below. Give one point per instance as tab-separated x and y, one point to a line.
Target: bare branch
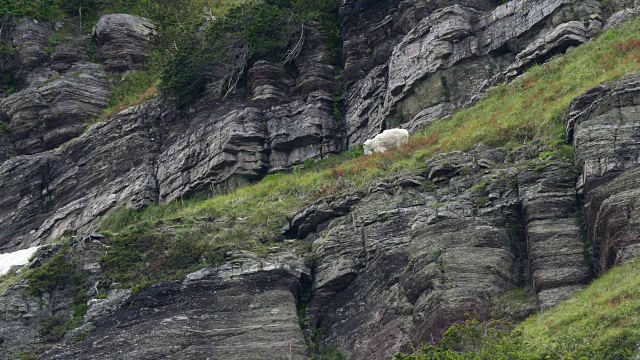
232	79
229	69
295	51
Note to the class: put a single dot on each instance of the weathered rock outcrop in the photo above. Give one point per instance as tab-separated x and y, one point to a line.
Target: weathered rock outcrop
60	88
555	245
241	144
416	253
245	309
68	189
394	264
603	126
26	314
152	153
47	115
31	38
124	41
288	116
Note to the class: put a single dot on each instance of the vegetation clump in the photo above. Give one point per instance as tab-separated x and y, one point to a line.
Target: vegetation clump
60	274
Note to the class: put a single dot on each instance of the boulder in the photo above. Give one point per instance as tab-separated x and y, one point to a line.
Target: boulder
124	41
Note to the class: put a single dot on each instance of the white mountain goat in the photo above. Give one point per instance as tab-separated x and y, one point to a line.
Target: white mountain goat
387	140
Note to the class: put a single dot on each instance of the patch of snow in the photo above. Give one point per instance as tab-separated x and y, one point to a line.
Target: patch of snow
20	257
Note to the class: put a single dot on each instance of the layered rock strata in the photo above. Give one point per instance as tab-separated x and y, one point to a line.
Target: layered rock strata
603	126
209	315
453	54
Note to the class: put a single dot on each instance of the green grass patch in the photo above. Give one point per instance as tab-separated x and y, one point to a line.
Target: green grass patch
142	255
600	322
132	90
4	128
8	280
56	39
24	356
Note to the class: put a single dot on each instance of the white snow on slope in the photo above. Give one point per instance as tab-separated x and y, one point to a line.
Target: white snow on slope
20	257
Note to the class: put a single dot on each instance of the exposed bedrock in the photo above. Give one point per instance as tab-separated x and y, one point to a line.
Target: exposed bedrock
555	246
24	314
60	88
371	29
402	261
145	156
454	54
31	38
54	111
67	189
603	125
422	59
233	148
153	153
245	309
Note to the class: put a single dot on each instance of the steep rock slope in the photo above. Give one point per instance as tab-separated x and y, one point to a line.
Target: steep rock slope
395	263
285	117
398	262
418	260
209	315
603	126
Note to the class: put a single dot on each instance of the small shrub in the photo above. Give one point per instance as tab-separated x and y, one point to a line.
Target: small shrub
35	9
55	274
24	356
429	186
309	163
337	173
248	32
330	353
436	255
9	83
55	40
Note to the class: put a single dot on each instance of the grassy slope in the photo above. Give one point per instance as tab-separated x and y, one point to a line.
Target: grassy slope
596	323
600	322
176	238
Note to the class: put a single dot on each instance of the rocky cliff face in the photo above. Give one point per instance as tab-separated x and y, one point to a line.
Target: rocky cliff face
394	264
606	140
209	313
405	65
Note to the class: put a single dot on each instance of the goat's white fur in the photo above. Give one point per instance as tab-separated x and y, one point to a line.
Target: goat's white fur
387	140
